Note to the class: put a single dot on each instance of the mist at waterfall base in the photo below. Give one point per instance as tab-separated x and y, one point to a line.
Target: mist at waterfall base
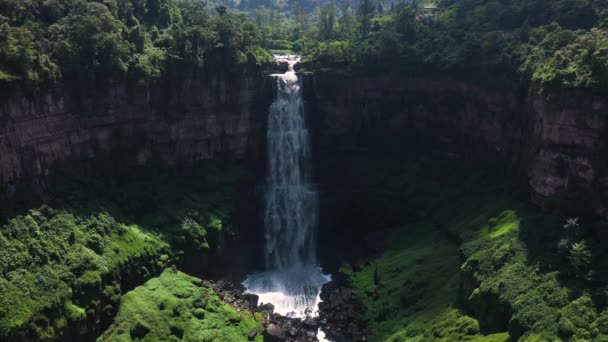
292	281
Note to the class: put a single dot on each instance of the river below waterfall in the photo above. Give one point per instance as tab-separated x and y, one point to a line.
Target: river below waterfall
292	280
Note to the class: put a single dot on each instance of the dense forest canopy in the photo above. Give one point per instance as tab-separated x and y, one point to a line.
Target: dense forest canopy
42	42
562	42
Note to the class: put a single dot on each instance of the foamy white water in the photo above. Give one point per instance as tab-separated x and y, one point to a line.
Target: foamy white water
293	281
294	292
321	336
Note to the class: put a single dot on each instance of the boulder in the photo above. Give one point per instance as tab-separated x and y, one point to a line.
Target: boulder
274	333
252	300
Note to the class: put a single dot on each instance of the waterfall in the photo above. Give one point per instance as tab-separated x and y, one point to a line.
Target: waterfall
291	201
292	280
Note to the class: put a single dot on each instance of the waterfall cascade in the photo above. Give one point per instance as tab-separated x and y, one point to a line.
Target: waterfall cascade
292	281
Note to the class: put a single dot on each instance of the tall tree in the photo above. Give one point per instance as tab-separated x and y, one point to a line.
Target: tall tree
365	13
301	16
346	19
327	20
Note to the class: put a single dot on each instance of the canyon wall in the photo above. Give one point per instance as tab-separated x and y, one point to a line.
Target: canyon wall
554	139
191	120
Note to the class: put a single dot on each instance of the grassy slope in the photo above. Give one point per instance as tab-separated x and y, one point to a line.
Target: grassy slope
174	307
471	236
63	266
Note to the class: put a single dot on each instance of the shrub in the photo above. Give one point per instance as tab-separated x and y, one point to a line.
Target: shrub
580	259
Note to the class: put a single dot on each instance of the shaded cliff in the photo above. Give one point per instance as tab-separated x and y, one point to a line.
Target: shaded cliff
569	152
188	120
554	139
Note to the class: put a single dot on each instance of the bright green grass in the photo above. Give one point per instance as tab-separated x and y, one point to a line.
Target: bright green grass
416	288
477	260
174	307
411	282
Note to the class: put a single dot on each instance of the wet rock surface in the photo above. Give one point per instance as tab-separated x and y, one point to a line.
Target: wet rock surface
280	328
277	328
281	66
233	295
341	312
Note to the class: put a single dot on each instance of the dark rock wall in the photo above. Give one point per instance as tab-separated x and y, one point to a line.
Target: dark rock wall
436	112
192	120
570	150
557	140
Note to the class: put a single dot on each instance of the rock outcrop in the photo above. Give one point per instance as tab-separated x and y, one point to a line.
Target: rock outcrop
570	148
341	312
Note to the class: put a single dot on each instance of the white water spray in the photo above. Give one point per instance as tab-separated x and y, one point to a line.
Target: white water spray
293	281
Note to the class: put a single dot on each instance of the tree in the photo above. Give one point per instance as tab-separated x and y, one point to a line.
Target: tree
327	18
580	259
274	17
221	10
346	20
365	13
301	17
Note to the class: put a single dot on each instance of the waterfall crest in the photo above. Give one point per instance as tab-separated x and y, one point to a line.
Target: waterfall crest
292	281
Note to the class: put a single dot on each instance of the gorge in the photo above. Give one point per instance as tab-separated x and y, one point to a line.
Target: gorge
177	170
462	122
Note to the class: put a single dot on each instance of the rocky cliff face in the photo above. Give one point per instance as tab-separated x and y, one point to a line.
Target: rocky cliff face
555	140
191	121
444	112
570	149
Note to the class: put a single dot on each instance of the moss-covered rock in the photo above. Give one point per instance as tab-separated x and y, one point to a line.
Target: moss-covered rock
52	275
165	309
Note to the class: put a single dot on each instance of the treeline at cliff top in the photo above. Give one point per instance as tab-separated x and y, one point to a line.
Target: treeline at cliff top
81	42
561	43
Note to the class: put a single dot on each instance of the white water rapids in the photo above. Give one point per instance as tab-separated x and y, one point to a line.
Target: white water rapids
292	281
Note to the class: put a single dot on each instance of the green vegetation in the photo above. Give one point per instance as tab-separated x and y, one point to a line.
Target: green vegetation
82	43
61	268
54	265
469	259
189	207
559	43
174	307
